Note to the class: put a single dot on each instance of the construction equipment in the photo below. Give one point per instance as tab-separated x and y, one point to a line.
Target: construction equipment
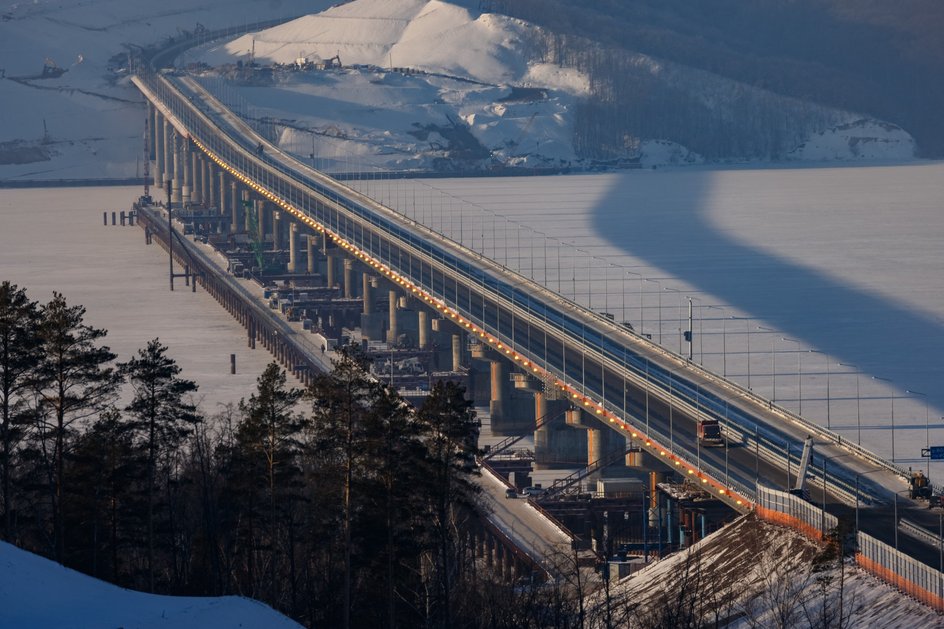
919	485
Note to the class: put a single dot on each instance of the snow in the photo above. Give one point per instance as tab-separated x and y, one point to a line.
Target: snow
41	594
833	276
753	570
861	140
53	240
93	116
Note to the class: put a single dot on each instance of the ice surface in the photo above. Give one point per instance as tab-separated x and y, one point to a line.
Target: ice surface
834	276
54	240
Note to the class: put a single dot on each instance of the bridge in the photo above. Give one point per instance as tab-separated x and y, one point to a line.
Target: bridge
620	385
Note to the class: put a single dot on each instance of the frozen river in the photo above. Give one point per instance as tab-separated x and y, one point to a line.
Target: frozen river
820	288
53	240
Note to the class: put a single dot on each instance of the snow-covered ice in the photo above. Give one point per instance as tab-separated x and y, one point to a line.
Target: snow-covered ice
53	240
834	276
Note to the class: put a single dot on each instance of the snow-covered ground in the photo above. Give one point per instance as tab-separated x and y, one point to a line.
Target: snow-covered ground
437	81
756	574
88	122
54	240
37	593
830	280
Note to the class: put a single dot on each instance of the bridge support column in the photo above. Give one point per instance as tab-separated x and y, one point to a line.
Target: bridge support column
348	278
276	229
329	269
310	246
209	185
187	182
457	357
247	211
260	206
293	247
226	209
177	180
196	170
235	207
160	150
169	156
422	318
368	293
499	385
392	331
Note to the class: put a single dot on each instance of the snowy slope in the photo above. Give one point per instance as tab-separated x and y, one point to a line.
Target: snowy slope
760	575
41	594
422	82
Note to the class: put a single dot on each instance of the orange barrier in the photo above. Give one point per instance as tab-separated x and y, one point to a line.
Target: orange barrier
888	576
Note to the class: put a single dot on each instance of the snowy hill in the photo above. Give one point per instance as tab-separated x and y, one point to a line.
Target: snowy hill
41	594
425	85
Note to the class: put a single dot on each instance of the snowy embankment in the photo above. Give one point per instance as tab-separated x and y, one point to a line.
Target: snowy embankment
38	593
755	574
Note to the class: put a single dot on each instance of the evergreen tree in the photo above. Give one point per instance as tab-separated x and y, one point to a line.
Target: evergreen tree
164	417
19	355
267	439
73	383
451	434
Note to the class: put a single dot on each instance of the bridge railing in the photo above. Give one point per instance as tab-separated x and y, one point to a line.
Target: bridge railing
909	575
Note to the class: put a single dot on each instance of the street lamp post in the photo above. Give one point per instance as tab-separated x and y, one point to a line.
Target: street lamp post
858	414
893	427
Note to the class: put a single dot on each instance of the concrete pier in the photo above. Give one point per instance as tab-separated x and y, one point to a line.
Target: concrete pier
293	247
392	331
348	278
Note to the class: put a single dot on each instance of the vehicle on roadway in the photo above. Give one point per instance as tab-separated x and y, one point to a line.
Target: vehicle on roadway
709	433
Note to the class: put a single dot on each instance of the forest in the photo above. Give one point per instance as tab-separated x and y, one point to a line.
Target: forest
773	61
339	505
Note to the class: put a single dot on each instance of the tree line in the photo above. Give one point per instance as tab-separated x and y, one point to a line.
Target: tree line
339	505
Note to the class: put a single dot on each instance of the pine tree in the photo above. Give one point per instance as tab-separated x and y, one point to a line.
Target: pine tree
164	417
19	355
451	434
268	440
73	383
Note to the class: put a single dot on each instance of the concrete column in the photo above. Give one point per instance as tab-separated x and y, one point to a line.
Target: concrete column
311	253
167	174
499	382
329	270
235	207
368	294
196	169
206	182
160	150
293	247
247	205
423	323
177	179
186	186
348	278
276	229
392	332
595	446
457	353
225	208
260	220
